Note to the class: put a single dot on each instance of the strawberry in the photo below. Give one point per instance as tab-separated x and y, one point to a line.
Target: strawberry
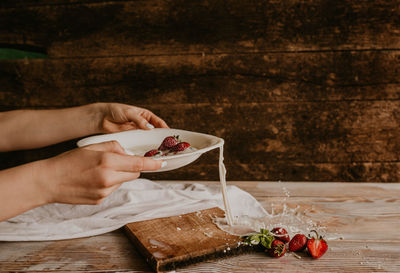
151	153
169	142
316	246
298	243
278	249
281	234
181	146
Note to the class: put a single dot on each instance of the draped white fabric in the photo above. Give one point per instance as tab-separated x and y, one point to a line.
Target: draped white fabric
136	200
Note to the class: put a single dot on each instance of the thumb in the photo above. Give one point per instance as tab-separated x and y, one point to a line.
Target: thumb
109	146
151	164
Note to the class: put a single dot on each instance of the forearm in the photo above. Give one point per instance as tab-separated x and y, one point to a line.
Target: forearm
28	129
20	189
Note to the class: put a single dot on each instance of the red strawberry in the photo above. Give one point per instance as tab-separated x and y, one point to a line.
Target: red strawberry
151	153
281	234
181	146
278	249
169	142
317	246
298	243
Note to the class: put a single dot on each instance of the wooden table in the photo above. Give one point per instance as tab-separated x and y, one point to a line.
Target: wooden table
367	216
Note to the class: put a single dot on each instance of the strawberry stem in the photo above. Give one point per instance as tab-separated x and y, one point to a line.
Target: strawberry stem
316	233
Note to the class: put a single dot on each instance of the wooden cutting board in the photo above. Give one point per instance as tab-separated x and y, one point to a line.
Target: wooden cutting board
172	242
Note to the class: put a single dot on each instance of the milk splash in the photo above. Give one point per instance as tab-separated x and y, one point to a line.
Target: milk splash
292	219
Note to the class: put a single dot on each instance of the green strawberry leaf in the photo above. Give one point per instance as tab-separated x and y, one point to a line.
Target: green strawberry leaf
264	237
254	239
266	241
264	231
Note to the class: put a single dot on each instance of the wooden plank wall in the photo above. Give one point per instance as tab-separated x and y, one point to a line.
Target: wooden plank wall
300	90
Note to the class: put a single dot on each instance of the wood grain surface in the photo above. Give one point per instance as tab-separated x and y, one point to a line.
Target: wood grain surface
299	90
366	216
104	28
174	242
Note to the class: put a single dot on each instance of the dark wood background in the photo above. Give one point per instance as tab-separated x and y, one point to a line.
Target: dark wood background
300	90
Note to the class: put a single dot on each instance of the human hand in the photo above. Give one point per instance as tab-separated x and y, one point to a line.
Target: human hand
117	117
88	175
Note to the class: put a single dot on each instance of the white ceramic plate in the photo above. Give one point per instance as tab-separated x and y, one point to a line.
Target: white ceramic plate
140	141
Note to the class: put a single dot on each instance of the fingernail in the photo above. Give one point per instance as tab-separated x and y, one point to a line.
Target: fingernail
163	164
150	126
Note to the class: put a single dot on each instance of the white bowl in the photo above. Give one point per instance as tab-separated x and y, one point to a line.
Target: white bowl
137	142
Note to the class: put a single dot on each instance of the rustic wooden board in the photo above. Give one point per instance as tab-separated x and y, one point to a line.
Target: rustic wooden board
105	28
363	248
172	242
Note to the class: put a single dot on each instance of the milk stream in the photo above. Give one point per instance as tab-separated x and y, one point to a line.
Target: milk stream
292	219
222	179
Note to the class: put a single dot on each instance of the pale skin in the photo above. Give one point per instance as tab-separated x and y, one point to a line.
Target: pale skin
84	175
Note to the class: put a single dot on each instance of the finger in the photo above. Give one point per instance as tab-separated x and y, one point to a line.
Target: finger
101	191
126	163
120	177
109	146
154	119
158	122
151	164
110	179
95	197
139	121
145	117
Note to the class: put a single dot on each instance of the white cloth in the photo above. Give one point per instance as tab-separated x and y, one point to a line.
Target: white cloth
134	201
